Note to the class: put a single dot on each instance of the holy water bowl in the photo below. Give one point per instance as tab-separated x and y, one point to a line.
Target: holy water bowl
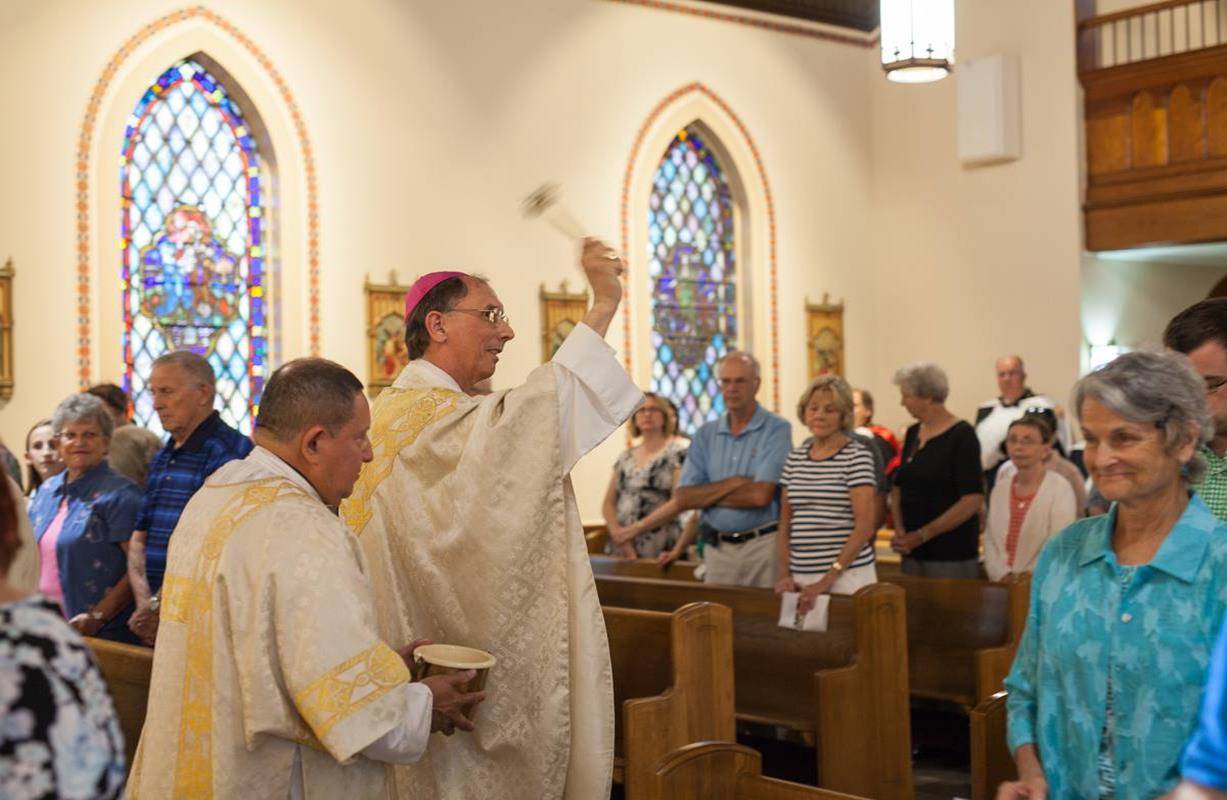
447	659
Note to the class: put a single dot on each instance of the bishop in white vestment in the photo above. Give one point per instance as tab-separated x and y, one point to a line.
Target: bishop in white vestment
269	677
467	519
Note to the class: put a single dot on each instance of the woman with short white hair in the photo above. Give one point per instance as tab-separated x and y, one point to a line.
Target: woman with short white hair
1125	607
938	488
83	519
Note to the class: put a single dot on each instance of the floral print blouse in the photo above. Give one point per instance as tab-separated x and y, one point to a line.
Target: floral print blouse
642	489
58	734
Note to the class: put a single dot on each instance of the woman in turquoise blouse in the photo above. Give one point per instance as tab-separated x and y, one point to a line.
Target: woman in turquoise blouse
1125	607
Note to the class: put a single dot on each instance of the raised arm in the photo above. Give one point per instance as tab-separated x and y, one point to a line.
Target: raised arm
605	277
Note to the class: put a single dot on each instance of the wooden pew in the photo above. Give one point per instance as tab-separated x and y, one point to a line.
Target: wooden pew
126	669
845	687
725	771
596	534
962	635
673	684
991	761
642	568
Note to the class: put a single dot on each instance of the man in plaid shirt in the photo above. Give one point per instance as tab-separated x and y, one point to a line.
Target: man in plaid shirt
182	384
1200	332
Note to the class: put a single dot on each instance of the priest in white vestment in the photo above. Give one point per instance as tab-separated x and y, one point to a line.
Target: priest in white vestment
269	677
470	528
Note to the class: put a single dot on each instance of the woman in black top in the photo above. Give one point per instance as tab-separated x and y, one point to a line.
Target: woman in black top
938	489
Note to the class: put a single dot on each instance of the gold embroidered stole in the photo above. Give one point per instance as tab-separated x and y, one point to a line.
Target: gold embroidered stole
189	601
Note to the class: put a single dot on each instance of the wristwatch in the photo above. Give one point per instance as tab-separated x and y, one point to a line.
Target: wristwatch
155	603
97	616
837	567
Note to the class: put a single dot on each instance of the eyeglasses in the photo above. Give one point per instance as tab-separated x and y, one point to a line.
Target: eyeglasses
84	436
1214	384
495	316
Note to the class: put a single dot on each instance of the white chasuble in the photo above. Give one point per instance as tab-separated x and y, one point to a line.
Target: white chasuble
269	675
471	531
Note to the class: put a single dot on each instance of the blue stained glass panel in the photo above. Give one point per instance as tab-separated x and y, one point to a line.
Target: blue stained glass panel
192	196
691	246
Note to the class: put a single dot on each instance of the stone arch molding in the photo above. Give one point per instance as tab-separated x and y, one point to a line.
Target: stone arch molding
294	313
754	218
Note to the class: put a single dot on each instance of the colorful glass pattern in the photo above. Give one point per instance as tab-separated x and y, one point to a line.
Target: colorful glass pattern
193	237
691	263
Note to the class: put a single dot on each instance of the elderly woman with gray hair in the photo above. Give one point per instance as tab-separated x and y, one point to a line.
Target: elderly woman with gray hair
1125	607
83	518
938	488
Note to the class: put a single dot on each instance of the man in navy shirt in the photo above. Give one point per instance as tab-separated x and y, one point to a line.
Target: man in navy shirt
183	387
731	472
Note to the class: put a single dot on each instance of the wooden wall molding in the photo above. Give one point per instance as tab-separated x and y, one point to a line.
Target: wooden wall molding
1156	151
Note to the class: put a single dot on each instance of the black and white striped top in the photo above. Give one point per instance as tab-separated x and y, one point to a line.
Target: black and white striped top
818	493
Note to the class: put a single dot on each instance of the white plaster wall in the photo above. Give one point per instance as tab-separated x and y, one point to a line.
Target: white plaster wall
429	122
1129	303
976	262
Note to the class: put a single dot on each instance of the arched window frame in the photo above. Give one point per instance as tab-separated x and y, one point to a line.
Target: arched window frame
728	332
253	265
295	316
754	221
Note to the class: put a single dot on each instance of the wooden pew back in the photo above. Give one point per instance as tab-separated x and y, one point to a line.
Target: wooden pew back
847	686
725	771
673	683
991	761
126	669
642	568
962	634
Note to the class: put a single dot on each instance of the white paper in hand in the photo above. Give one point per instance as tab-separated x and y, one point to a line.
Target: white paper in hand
814	620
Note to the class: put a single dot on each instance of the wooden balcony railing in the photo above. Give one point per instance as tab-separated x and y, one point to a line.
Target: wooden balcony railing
1155	93
1150	31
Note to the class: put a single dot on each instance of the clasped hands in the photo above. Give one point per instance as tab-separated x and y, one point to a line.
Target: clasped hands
144	623
450	701
809	594
905	543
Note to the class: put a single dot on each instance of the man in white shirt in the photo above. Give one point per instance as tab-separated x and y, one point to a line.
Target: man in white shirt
993	417
467	518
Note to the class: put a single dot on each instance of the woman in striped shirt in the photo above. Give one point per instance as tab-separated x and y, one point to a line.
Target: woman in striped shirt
825	538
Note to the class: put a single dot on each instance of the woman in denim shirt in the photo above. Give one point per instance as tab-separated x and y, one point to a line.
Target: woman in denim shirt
1125	607
83	519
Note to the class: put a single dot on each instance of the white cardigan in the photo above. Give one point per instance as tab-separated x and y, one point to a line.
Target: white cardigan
1050	512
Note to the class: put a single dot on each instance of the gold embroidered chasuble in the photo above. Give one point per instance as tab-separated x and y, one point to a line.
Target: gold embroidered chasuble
471	531
267	650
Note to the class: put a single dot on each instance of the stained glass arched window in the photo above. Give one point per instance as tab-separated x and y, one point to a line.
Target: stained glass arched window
194	238
692	266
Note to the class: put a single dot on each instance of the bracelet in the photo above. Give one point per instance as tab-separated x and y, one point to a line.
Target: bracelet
838	567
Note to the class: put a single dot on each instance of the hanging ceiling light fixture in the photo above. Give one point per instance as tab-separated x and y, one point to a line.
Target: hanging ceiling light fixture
917	39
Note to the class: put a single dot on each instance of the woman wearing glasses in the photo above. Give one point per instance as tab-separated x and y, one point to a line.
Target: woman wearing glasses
83	518
1030	503
644	477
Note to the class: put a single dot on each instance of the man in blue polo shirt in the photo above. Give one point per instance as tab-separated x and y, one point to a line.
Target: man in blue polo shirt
183	388
731	472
